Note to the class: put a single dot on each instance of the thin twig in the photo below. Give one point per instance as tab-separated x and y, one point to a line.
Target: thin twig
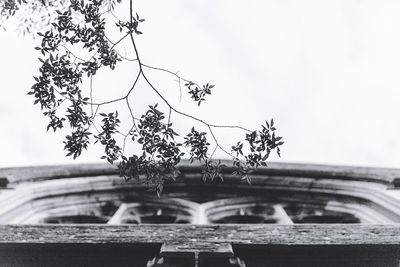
91	93
217	143
188	115
165	100
168	71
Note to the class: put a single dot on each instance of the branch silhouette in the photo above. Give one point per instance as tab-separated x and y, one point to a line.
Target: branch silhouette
162	148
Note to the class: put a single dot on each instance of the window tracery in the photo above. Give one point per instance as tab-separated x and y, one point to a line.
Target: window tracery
239	210
305	202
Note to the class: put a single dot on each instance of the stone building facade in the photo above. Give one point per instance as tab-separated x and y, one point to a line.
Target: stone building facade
291	215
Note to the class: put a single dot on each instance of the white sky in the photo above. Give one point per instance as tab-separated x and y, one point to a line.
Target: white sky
326	71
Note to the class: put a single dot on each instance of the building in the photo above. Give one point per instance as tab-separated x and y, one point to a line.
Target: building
291	215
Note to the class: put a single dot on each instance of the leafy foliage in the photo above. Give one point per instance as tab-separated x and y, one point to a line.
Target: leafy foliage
212	170
106	137
57	90
197	94
197	142
76	142
37	15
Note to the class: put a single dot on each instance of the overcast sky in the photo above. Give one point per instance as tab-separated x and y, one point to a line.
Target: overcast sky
326	71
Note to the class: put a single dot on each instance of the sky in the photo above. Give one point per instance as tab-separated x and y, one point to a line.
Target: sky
326	71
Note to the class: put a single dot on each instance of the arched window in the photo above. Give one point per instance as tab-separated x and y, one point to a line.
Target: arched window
325	210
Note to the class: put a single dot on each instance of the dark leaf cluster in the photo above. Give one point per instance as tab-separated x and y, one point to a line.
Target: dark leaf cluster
76	142
198	145
150	172
57	90
197	93
131	26
160	152
261	143
61	73
158	138
212	169
109	127
55	122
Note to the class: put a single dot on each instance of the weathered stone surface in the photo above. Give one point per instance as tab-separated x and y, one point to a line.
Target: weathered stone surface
44	191
206	245
307	234
380	175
